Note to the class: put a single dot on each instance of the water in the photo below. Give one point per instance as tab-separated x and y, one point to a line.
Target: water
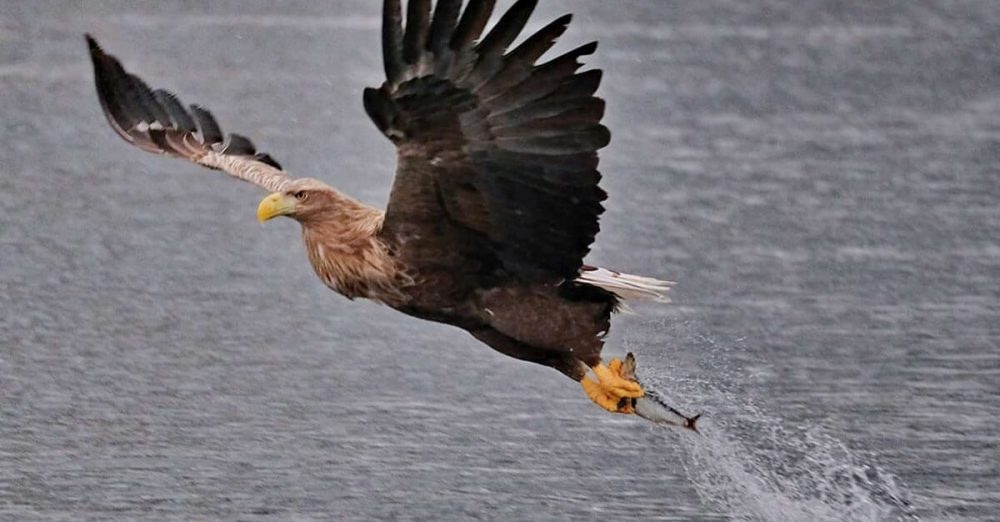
821	181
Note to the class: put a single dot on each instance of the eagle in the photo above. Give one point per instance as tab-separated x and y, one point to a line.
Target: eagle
495	201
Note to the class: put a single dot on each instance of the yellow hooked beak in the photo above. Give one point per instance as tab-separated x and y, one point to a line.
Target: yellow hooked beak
274	205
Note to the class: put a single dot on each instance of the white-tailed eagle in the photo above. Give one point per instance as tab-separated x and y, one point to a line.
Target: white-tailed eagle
496	198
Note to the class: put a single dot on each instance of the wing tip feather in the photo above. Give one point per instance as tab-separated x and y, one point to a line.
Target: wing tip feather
155	120
92	43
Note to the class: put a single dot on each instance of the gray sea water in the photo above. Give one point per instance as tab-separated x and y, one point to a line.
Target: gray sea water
821	178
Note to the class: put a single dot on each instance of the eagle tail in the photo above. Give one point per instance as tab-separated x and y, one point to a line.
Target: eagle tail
628	287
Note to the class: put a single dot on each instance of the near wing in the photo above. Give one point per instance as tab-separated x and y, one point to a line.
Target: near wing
489	143
156	121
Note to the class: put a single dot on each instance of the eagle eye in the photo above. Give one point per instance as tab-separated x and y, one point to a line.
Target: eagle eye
300	195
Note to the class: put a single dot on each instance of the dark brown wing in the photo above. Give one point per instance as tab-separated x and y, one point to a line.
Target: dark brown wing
497	155
156	121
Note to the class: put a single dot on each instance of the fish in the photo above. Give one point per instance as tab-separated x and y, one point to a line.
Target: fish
652	407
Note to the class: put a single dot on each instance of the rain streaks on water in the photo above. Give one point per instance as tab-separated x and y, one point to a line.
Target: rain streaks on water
820	178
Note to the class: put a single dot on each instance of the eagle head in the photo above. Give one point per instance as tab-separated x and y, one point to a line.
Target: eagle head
303	200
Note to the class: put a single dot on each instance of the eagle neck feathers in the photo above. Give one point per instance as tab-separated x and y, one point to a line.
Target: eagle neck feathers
348	256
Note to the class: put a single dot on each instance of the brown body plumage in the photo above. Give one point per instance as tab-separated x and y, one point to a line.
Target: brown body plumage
496	197
543	323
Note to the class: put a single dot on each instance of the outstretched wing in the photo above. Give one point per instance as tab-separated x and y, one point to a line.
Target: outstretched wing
157	121
497	154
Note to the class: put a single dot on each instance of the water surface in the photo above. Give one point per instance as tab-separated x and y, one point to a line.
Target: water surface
821	179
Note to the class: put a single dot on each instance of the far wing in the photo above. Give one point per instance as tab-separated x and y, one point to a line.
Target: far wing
497	155
156	121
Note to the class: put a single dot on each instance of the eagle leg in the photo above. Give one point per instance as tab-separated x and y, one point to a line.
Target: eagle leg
614	389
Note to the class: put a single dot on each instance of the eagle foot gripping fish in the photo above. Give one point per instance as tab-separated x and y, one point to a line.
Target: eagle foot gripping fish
651	406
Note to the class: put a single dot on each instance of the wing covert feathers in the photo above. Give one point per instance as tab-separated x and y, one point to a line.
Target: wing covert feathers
500	144
156	121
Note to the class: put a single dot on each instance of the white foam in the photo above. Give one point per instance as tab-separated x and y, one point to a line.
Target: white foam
751	464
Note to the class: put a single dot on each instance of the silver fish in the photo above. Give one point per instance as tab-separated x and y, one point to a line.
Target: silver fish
652	407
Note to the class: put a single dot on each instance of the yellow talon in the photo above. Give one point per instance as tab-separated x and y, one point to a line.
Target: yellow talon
614	380
612	391
598	394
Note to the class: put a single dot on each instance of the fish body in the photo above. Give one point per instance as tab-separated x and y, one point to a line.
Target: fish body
651	405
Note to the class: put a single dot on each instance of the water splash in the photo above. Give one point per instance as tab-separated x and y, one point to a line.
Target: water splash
752	465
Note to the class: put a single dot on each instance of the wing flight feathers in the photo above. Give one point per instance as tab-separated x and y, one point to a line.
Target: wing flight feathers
445	18
417	26
474	20
156	121
490	142
506	30
392	39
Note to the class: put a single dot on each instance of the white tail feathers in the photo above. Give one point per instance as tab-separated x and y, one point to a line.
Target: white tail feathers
626	286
